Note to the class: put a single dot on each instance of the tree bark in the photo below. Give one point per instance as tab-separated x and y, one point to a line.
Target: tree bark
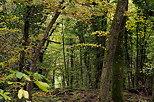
137	70
24	39
81	68
153	91
81	40
64	55
47	44
110	50
87	69
118	65
127	59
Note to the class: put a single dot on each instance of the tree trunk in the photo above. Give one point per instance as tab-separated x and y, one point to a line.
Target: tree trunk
131	62
110	50
137	70
87	69
53	79
153	91
127	59
81	68
24	39
99	23
37	50
118	65
47	44
71	64
64	57
81	40
68	71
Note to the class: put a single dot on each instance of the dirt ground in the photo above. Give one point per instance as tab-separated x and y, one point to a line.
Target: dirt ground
78	95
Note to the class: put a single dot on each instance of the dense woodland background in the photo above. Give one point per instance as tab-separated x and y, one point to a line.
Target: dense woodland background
51	49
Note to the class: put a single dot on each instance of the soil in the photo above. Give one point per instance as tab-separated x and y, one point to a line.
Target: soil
78	95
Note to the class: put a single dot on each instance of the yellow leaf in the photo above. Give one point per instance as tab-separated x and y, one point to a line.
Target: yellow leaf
25	94
20	93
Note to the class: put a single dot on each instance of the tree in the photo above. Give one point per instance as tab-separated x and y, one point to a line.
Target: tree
111	48
153	92
119	65
38	48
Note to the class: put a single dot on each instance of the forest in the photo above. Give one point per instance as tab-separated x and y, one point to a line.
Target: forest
76	50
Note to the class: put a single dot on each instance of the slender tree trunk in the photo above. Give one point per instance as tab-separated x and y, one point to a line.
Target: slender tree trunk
143	56
110	50
47	44
127	59
53	79
99	23
71	66
37	49
87	70
68	71
81	68
82	40
131	63
153	91
24	39
137	58
64	57
76	69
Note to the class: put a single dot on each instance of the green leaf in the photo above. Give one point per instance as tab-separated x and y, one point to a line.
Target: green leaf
2	81
10	76
28	72
6	97
10	82
19	75
26	77
6	93
37	76
12	71
42	85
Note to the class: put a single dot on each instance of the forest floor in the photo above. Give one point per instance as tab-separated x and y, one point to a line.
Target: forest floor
78	95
